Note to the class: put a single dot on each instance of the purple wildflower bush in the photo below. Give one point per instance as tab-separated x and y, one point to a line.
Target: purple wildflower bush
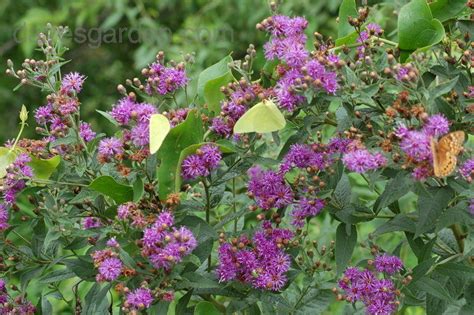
339	210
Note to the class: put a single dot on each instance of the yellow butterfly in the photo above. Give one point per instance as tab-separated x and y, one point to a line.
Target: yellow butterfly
445	152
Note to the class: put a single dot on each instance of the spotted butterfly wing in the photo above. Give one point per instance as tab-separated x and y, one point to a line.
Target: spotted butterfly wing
445	153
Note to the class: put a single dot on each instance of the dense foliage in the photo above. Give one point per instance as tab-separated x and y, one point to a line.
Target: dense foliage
292	180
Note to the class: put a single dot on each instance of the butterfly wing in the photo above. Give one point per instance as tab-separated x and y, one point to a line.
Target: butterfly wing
159	128
262	118
434	153
452	142
445	153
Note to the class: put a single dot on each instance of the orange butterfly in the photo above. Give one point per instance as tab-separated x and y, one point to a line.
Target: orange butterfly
445	152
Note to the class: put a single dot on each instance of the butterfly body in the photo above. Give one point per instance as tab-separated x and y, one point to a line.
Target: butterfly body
445	152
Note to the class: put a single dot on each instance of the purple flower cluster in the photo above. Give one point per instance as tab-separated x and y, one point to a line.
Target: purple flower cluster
436	125
269	189
72	83
306	208
139	299
421	172
8	305
91	223
163	80
361	160
470	93
17	174
378	295
288	43
86	132
261	263
130	211
136	116
3	217
302	156
288	39
56	115
110	148
286	90
240	96
415	144
388	264
467	170
371	29
166	245
202	163
108	264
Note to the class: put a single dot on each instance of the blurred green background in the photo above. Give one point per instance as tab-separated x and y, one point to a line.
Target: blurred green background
111	40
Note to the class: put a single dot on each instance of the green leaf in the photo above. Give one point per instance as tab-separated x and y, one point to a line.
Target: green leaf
444	10
345	31
51	236
43	169
344	122
206	308
442	88
180	137
96	301
82	268
434	288
399	223
106	185
138	189
108	117
7	157
210	82
343	191
57	275
394	190
431	204
316	301
416	26
345	244
197	281
46	307
183	303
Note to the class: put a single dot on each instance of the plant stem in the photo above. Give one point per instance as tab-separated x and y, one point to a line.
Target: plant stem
208	217
234	206
386	41
19	135
47	181
458	234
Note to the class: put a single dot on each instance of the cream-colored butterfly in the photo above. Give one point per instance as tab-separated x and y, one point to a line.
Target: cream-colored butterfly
445	152
262	118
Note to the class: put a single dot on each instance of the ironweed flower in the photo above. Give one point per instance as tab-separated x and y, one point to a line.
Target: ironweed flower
202	163
261	263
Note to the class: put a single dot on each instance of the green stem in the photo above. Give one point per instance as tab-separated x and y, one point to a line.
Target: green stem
354	45
47	181
208	217
234	205
375	186
386	41
459	235
19	135
76	129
